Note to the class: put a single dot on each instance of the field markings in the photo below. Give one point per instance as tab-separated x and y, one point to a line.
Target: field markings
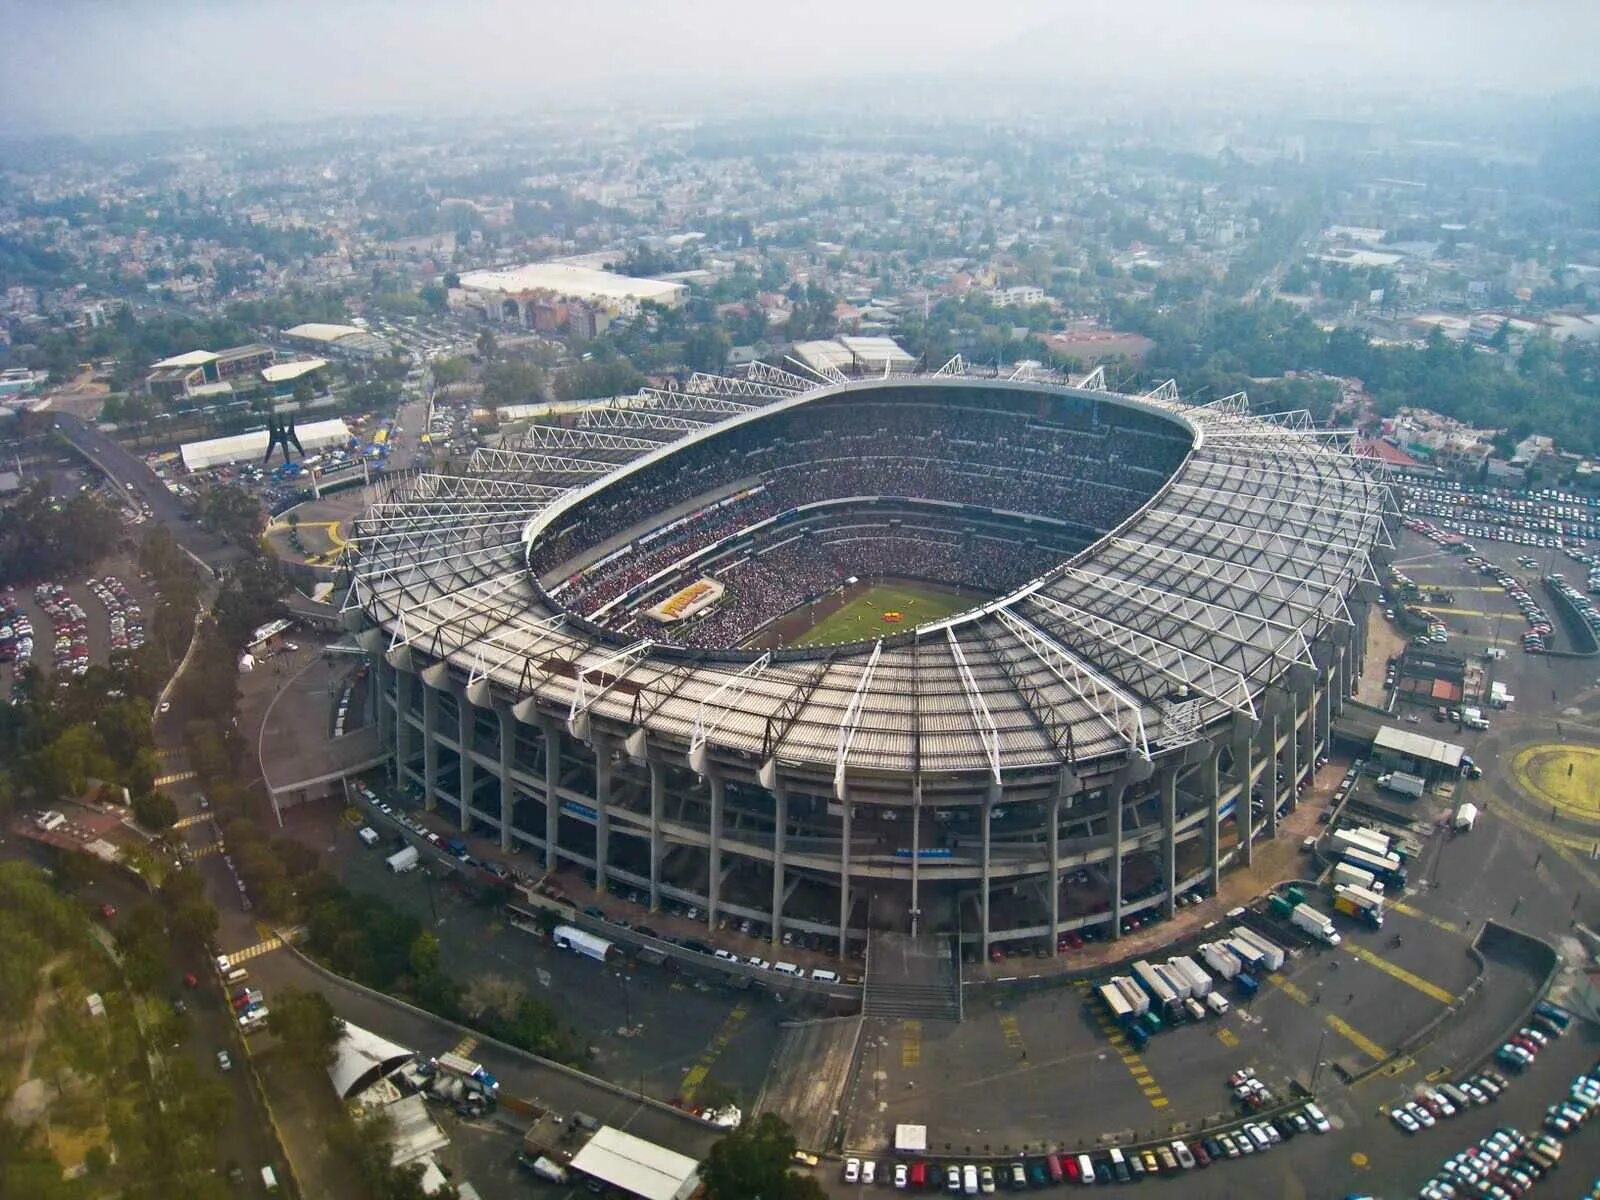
1396	971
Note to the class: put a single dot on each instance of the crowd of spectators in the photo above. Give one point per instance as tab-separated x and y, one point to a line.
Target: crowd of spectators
1067	459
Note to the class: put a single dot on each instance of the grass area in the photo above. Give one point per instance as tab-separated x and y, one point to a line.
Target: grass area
863	617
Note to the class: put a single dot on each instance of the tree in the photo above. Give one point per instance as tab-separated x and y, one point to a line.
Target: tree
306	1027
155	811
753	1161
487	345
193	914
491	995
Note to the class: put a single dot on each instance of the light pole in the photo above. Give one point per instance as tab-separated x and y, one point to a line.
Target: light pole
1316	1067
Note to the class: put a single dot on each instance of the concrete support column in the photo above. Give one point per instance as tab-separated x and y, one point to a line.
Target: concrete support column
1272	725
602	811
714	881
1053	815
916	854
430	748
1211	788
466	732
780	813
383	678
1169	837
508	754
552	785
1241	806
1114	815
404	681
1325	712
658	788
983	896
1291	754
844	870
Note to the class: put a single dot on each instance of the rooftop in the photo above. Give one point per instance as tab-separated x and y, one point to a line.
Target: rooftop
568	279
636	1166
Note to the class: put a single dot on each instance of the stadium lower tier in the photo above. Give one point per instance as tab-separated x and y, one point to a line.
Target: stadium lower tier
1022	863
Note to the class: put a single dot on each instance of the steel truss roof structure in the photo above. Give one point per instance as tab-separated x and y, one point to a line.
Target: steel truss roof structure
1208	595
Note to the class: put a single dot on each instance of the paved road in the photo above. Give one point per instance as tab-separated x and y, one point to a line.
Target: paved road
125	469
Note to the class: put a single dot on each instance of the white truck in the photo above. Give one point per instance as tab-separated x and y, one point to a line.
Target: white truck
1402	784
404	860
1269	951
1473	718
1368	840
1466	817
1318	924
1199	981
1352	876
1132	993
1219	958
1176	980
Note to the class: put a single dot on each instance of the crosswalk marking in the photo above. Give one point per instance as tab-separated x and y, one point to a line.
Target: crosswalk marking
1395	971
696	1075
1227	1036
175	777
465	1046
1013	1036
265	946
205	851
191	819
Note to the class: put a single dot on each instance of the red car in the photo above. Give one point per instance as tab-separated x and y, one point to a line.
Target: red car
190	981
108	911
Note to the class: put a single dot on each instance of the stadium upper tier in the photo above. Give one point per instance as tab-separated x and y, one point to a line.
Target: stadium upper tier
1218	548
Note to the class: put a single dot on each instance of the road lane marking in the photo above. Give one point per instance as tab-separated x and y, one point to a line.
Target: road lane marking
1400	906
1396	971
1340	1026
910	1043
465	1046
191	819
696	1075
1227	1037
1013	1036
176	777
260	948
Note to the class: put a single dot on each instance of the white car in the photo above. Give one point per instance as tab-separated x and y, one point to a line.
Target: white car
852	1170
901	1176
166	706
1318	1119
1404	1120
224	1061
869	1171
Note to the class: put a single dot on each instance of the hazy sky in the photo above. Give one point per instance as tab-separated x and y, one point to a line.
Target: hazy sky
121	64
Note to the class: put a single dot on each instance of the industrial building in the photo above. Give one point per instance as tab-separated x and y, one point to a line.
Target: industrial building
346	341
190	373
636	1167
252	446
1137	716
514	295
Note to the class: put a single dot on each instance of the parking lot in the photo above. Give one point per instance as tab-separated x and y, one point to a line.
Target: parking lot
65	627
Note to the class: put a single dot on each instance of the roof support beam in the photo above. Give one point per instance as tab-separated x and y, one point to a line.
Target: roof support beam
982	720
583	698
851	721
734	687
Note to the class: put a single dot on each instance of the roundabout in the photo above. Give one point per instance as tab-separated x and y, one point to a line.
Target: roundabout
1563	776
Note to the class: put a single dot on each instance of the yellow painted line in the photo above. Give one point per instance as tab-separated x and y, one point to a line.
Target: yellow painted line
1227	1037
692	1079
205	851
1400	906
178	777
910	1043
696	1075
1159	1102
465	1046
1395	971
1356	1038
1340	1026
1459	612
191	819
1013	1035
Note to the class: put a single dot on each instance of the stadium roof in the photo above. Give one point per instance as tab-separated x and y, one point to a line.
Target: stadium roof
286	371
568	279
638	1167
1182	617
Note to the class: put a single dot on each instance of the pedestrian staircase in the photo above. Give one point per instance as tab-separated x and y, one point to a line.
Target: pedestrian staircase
911	978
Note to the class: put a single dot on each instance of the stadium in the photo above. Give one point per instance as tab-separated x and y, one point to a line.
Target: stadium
1015	660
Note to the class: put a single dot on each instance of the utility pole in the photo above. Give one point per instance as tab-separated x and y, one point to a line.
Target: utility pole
1316	1067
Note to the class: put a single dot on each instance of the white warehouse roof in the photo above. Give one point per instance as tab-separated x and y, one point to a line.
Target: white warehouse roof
238	447
638	1167
320	331
568	279
1418	746
285	371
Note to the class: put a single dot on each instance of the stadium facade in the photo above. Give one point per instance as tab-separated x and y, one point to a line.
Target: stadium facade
1081	751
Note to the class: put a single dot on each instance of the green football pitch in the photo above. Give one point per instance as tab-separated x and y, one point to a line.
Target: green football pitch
862	616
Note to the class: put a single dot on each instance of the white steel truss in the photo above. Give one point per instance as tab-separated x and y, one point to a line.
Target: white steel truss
521	647
584	694
734	688
660	401
827	372
556	437
982	721
1121	715
731	385
766	373
634	418
486	459
1094	381
851	721
956	366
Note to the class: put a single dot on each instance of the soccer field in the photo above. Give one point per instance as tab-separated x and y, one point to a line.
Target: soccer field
862	615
